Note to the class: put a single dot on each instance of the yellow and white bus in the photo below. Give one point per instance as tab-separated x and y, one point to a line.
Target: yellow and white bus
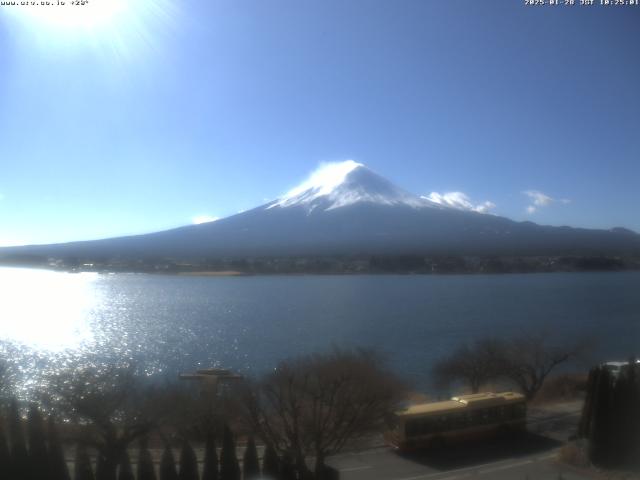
462	418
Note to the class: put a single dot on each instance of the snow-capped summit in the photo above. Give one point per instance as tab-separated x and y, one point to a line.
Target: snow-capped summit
336	185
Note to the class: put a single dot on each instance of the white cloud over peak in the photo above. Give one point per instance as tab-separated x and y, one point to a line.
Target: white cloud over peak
484	207
197	220
539	199
325	178
459	200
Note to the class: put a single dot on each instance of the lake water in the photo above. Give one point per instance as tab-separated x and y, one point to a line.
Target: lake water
52	320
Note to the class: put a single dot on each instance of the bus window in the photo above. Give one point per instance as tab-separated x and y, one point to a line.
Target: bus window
494	414
477	417
428	426
457	420
410	428
443	423
481	416
468	418
491	414
419	426
502	413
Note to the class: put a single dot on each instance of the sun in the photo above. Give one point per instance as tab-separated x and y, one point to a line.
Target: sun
87	15
116	30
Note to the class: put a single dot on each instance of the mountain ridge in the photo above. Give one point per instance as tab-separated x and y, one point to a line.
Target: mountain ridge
347	210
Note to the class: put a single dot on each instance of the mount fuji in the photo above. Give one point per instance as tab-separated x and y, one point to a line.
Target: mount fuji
347	210
347	183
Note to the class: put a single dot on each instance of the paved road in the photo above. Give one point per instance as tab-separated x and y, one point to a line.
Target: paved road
530	458
383	464
558	421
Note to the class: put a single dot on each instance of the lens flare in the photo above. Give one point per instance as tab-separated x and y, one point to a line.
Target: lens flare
86	15
118	27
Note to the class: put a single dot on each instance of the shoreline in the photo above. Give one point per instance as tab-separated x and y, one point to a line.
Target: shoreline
238	273
209	273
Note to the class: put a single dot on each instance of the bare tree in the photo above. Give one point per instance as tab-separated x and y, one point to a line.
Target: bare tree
472	365
190	412
525	360
530	358
185	413
312	406
112	404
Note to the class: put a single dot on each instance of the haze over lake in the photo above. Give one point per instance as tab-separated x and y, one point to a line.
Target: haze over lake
51	320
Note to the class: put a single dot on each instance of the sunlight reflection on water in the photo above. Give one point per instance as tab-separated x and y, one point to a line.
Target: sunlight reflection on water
35	310
163	324
52	321
46	323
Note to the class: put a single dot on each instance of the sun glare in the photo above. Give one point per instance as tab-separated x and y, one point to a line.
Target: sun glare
88	15
117	28
45	309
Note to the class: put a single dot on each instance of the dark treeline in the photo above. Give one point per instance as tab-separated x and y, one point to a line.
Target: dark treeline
113	422
405	263
611	416
39	455
30	453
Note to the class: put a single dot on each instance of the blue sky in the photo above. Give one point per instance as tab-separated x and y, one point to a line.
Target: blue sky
153	113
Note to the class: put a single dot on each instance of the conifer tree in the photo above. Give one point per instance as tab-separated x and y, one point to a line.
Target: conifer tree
634	416
270	463
620	412
168	465
210	471
82	467
599	432
146	470
250	464
38	454
102	470
626	410
19	455
125	471
613	426
587	408
5	456
188	463
287	470
229	467
58	469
